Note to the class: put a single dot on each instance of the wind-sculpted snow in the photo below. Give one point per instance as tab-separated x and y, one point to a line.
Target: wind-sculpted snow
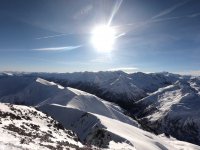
116	86
161	102
37	92
106	133
119	87
32	92
113	86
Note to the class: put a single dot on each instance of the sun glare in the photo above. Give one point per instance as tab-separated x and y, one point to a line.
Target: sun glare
103	38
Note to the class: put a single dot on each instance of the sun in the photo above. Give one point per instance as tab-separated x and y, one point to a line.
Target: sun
103	38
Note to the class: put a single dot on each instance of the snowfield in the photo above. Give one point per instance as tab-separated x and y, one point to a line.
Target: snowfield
39	92
173	110
162	103
107	133
23	127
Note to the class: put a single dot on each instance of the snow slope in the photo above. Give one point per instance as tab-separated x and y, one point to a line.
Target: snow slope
23	127
32	92
171	103
107	133
123	86
153	81
173	110
37	92
114	86
86	102
133	85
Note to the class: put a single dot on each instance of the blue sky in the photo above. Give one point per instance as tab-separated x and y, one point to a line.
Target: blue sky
54	36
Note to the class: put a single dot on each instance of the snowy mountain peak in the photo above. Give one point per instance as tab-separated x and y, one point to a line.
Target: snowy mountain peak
122	80
8	73
78	92
173	110
45	82
164	102
106	133
124	85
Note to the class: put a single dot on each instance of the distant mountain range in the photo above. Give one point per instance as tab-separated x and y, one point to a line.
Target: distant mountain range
111	110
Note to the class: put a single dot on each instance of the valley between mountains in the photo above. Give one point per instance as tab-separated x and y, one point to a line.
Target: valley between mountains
99	110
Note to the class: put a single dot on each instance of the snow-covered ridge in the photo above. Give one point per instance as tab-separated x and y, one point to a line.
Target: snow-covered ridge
110	83
38	92
24	127
124	85
107	133
112	86
7	73
163	99
45	82
173	110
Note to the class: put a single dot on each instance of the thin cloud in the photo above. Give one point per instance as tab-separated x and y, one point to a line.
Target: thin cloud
145	23
176	17
83	11
191	72
125	69
66	48
170	9
102	59
120	35
51	36
194	15
166	19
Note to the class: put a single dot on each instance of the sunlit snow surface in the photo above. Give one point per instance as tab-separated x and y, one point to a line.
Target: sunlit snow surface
23	127
101	123
115	134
